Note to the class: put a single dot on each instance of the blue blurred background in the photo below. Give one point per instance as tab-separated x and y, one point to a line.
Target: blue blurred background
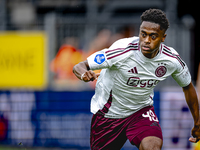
43	105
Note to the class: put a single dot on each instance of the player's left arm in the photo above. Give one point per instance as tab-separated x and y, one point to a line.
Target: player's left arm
192	101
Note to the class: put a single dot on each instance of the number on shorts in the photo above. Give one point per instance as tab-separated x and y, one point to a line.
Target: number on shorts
149	114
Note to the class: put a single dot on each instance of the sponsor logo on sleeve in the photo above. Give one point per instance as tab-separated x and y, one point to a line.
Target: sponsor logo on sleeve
99	58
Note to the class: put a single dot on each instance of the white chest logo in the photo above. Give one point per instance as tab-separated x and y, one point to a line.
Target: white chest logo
161	71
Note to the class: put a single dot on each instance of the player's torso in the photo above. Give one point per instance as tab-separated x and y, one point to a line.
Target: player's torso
137	73
132	79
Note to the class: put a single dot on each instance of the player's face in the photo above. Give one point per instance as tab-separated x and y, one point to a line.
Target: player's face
151	37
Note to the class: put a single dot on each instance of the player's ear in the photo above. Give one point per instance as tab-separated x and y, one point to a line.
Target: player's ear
163	38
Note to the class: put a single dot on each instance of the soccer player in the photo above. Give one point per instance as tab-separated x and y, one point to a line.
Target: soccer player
123	101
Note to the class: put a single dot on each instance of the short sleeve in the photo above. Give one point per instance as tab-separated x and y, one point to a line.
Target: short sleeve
182	75
98	60
111	57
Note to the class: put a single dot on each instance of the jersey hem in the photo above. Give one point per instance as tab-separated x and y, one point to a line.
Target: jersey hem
115	116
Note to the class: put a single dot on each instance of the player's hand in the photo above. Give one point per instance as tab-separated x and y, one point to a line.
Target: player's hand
195	134
90	76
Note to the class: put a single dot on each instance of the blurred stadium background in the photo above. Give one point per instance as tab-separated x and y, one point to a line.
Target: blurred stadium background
43	106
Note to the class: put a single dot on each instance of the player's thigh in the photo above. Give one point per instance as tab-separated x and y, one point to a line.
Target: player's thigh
145	124
151	143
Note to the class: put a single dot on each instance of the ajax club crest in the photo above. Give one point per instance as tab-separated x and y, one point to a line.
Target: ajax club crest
161	71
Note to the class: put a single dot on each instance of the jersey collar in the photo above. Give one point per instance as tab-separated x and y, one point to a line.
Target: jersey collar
150	59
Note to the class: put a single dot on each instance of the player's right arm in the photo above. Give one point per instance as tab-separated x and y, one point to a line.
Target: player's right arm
101	60
83	72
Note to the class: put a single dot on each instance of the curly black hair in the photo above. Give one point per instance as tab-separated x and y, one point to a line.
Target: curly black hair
156	16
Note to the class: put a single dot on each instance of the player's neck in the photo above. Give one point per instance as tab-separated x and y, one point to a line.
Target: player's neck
152	55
